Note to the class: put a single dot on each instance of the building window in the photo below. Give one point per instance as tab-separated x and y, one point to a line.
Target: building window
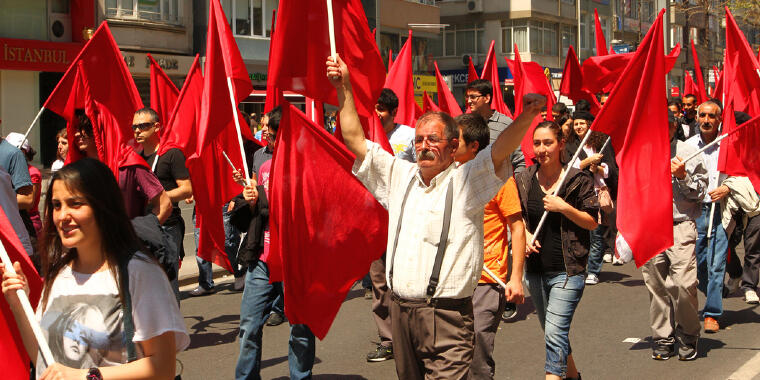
514	32
543	38
252	18
463	39
164	11
584	35
676	35
568	38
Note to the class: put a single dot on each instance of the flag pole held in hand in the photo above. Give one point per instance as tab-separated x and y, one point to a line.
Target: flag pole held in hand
42	344
561	181
237	127
331	28
494	276
234	169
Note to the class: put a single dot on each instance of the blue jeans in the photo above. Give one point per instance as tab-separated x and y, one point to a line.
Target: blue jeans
254	310
231	245
596	253
711	260
556	297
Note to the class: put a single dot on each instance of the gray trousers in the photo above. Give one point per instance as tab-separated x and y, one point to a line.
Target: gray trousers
487	305
671	278
381	301
751	254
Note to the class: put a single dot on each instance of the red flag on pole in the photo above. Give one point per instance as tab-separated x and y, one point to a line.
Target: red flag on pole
718	90
689	87
274	96
601	43
428	103
325	234
401	81
301	46
181	131
572	82
163	93
600	73
14	356
315	111
491	73
446	100
645	198
701	90
529	78
471	73
390	59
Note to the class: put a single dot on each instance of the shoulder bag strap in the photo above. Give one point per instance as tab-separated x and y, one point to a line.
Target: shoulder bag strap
435	275
398	230
126	307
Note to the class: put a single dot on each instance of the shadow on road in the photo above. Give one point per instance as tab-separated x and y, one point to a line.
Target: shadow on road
704	345
219	330
325	376
354	293
734	317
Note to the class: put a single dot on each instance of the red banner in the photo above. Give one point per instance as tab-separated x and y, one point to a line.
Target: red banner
33	55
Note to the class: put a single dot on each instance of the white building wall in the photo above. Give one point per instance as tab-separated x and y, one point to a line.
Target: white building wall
19	103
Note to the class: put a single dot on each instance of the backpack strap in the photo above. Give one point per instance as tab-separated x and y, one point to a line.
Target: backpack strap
126	307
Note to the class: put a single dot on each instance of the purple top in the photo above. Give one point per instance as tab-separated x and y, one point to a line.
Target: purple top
138	186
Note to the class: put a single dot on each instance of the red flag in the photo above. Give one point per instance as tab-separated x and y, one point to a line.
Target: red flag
701	92
742	93
326	233
14	356
428	103
163	93
572	82
689	87
645	199
223	65
471	73
315	111
601	43
274	95
390	59
181	131
718	90
302	45
491	73
529	78
602	72
446	100
400	80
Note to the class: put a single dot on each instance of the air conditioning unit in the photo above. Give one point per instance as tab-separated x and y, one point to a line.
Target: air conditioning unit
59	27
474	6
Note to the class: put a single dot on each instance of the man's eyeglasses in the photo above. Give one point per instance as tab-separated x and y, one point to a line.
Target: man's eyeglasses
473	97
143	126
432	139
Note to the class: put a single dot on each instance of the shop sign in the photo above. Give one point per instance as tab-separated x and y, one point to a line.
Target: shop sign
675	91
425	83
33	55
139	64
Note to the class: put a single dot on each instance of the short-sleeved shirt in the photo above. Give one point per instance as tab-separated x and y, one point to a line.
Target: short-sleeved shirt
496	124
9	205
505	204
14	162
475	183
260	157
138	186
83	318
401	138
170	168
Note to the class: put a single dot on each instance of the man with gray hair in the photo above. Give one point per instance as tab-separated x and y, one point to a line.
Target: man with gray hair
435	239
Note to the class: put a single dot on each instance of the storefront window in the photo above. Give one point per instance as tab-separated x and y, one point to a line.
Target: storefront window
165	11
23	19
463	39
253	18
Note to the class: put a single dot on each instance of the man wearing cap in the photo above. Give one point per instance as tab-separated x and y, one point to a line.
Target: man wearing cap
14	162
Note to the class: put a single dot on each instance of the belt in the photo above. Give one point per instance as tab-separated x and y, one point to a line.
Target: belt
441	303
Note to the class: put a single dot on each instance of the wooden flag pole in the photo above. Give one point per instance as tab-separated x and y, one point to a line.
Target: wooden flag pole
494	276
561	181
331	28
31	126
237	127
42	344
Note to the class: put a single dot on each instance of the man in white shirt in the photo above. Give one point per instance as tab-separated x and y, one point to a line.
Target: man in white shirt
431	313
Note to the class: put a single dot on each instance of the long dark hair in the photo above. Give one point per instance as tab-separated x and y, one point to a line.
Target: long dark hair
94	181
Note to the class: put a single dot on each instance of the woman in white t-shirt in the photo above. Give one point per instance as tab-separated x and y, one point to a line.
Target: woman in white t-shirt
87	234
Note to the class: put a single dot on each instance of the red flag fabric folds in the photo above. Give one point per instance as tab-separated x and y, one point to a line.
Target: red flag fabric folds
471	73
491	73
315	111
428	103
446	100
223	63
572	82
602	72
163	93
14	357
301	46
718	90
400	80
181	131
326	232
601	43
701	89
645	196
274	95
689	87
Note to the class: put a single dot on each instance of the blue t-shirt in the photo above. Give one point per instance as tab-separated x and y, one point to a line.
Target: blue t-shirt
14	162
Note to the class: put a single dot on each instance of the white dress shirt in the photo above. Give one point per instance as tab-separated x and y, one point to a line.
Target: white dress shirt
710	156
475	184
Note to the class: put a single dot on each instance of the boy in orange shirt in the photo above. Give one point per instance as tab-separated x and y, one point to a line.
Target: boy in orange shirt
502	216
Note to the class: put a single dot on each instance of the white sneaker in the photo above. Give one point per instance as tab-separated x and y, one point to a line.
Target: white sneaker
750	297
607	258
239	283
617	262
592	279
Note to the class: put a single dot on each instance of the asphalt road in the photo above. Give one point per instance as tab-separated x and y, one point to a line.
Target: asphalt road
609	337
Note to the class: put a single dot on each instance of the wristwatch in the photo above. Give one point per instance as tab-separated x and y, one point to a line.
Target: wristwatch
94	374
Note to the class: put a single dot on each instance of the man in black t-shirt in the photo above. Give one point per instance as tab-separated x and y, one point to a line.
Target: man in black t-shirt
171	172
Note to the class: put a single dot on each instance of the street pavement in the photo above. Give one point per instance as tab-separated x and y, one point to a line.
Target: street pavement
609	337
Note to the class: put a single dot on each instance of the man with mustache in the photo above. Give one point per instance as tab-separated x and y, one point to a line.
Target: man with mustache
435	240
711	253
